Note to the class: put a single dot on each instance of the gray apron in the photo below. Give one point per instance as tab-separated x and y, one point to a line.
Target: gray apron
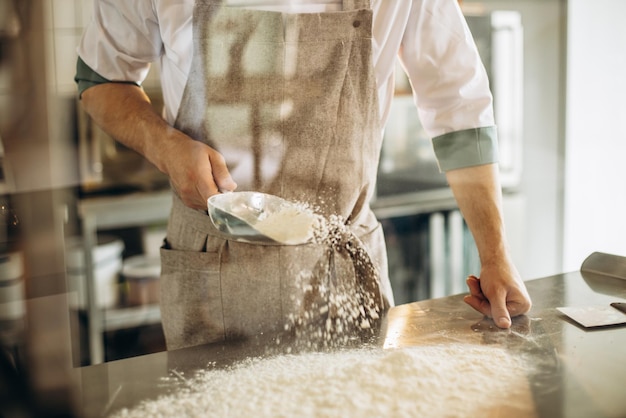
290	100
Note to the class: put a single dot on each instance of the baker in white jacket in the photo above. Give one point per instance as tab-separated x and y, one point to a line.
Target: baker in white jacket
290	97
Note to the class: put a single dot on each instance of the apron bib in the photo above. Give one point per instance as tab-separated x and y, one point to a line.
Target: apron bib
290	101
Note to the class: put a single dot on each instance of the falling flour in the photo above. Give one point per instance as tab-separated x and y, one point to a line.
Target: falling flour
342	301
455	380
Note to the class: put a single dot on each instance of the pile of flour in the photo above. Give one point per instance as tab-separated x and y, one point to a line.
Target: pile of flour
455	380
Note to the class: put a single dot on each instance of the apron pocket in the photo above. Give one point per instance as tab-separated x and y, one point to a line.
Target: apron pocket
184	232
191	298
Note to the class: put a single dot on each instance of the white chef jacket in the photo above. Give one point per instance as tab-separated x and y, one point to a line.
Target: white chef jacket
430	37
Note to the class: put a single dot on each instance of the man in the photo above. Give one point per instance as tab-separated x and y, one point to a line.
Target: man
289	97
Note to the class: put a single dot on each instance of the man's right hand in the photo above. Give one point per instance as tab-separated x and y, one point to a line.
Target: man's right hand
124	111
196	171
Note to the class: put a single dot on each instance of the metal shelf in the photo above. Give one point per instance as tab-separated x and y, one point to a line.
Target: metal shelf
137	316
106	212
413	203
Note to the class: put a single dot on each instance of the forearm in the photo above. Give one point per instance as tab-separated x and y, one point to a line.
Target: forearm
124	111
499	292
479	197
196	170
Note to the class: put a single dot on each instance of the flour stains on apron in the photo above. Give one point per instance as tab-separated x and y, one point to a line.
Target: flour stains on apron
290	101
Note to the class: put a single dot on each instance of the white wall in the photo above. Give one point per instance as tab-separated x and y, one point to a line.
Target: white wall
595	149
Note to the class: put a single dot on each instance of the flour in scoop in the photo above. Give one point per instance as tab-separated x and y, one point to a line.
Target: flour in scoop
455	380
290	225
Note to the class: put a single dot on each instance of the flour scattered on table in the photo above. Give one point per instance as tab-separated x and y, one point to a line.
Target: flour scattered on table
457	380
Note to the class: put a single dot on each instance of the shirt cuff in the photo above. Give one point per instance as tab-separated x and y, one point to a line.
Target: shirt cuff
86	77
466	148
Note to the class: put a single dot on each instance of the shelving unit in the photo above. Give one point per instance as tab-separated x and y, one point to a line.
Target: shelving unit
132	317
101	213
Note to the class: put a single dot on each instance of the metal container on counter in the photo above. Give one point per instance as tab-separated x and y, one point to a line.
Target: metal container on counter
141	276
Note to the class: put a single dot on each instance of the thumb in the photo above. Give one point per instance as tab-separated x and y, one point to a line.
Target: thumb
499	312
221	175
225	182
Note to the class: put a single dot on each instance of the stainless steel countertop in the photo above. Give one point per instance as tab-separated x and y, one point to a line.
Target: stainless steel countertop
578	373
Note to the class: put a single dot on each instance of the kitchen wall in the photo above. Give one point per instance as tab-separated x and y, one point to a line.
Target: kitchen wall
595	151
65	20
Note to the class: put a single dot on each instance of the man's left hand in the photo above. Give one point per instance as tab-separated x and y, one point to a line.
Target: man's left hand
499	293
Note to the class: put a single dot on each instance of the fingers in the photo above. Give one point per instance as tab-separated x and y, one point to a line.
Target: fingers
198	172
198	186
494	307
476	299
221	175
500	316
481	305
474	287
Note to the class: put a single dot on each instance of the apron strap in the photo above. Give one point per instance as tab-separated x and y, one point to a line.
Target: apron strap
356	4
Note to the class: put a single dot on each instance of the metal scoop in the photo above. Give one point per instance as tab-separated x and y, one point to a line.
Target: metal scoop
261	218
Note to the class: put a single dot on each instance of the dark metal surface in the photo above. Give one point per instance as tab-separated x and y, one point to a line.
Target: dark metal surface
572	372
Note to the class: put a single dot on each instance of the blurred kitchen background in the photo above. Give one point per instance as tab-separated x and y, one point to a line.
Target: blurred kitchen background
83	217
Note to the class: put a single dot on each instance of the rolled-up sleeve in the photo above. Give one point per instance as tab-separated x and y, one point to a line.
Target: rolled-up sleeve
450	85
466	148
120	42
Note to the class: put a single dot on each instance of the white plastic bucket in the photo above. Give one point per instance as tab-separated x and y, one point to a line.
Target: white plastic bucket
107	265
